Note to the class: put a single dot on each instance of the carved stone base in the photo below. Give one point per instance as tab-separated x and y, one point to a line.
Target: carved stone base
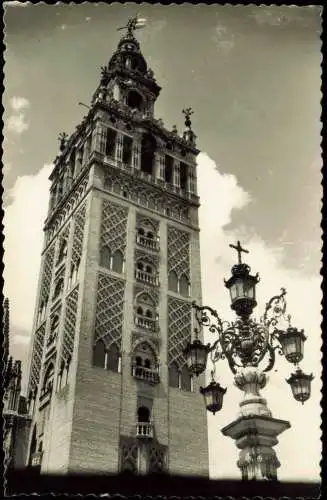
255	430
255	436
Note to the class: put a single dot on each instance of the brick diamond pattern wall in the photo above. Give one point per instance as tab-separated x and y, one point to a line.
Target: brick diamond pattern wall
78	235
70	325
47	273
178	252
114	227
37	355
109	310
179	330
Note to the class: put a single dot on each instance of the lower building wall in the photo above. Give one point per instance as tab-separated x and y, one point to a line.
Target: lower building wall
56	439
188	436
21	442
95	429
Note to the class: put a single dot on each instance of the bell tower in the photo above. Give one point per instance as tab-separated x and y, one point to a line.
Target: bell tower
109	388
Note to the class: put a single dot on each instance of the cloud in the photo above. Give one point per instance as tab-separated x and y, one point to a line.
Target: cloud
224	38
284	15
18	103
87	19
23	221
220	195
17	123
15	3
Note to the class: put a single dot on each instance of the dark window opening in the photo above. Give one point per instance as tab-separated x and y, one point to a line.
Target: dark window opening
184	286
148	148
113	358
99	354
149	235
173	282
110	142
169	169
139	311
58	288
173	375
183	175
117	262
134	100
140	266
127	149
143	414
148	269
169	146
148	314
147	363
141	232
138	361
105	257
186	379
33	446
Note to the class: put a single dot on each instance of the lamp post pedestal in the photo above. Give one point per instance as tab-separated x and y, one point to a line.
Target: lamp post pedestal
255	430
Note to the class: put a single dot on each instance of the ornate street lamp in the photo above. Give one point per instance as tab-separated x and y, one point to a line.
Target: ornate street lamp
246	343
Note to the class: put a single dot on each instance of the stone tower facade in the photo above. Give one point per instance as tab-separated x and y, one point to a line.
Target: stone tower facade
109	389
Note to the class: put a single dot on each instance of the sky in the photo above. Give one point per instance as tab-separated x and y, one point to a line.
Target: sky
252	77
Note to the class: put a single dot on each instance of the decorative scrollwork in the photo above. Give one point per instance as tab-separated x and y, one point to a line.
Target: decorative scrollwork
245	342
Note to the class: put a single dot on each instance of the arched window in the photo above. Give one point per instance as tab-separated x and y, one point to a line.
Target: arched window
149	235
105	257
138	361
148	313
148	149
184	286
113	358
186	379
134	100
62	250
143	414
173	375
58	288
172	281
141	231
148	269
99	354
117	262
53	329
48	378
140	266
139	311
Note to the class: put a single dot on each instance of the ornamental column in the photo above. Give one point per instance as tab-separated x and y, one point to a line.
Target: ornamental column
255	430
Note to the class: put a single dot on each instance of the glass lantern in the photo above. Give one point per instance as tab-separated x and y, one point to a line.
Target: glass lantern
213	396
196	356
292	342
241	287
301	385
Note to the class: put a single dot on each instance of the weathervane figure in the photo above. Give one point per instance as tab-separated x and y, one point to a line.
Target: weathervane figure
188	112
239	250
133	24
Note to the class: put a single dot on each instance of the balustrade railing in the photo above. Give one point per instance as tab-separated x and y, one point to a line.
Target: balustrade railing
150	279
146	323
147	242
144	430
145	374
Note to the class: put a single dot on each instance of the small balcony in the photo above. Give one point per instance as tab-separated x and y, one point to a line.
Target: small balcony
37	459
149	324
144	430
145	374
145	242
148	278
